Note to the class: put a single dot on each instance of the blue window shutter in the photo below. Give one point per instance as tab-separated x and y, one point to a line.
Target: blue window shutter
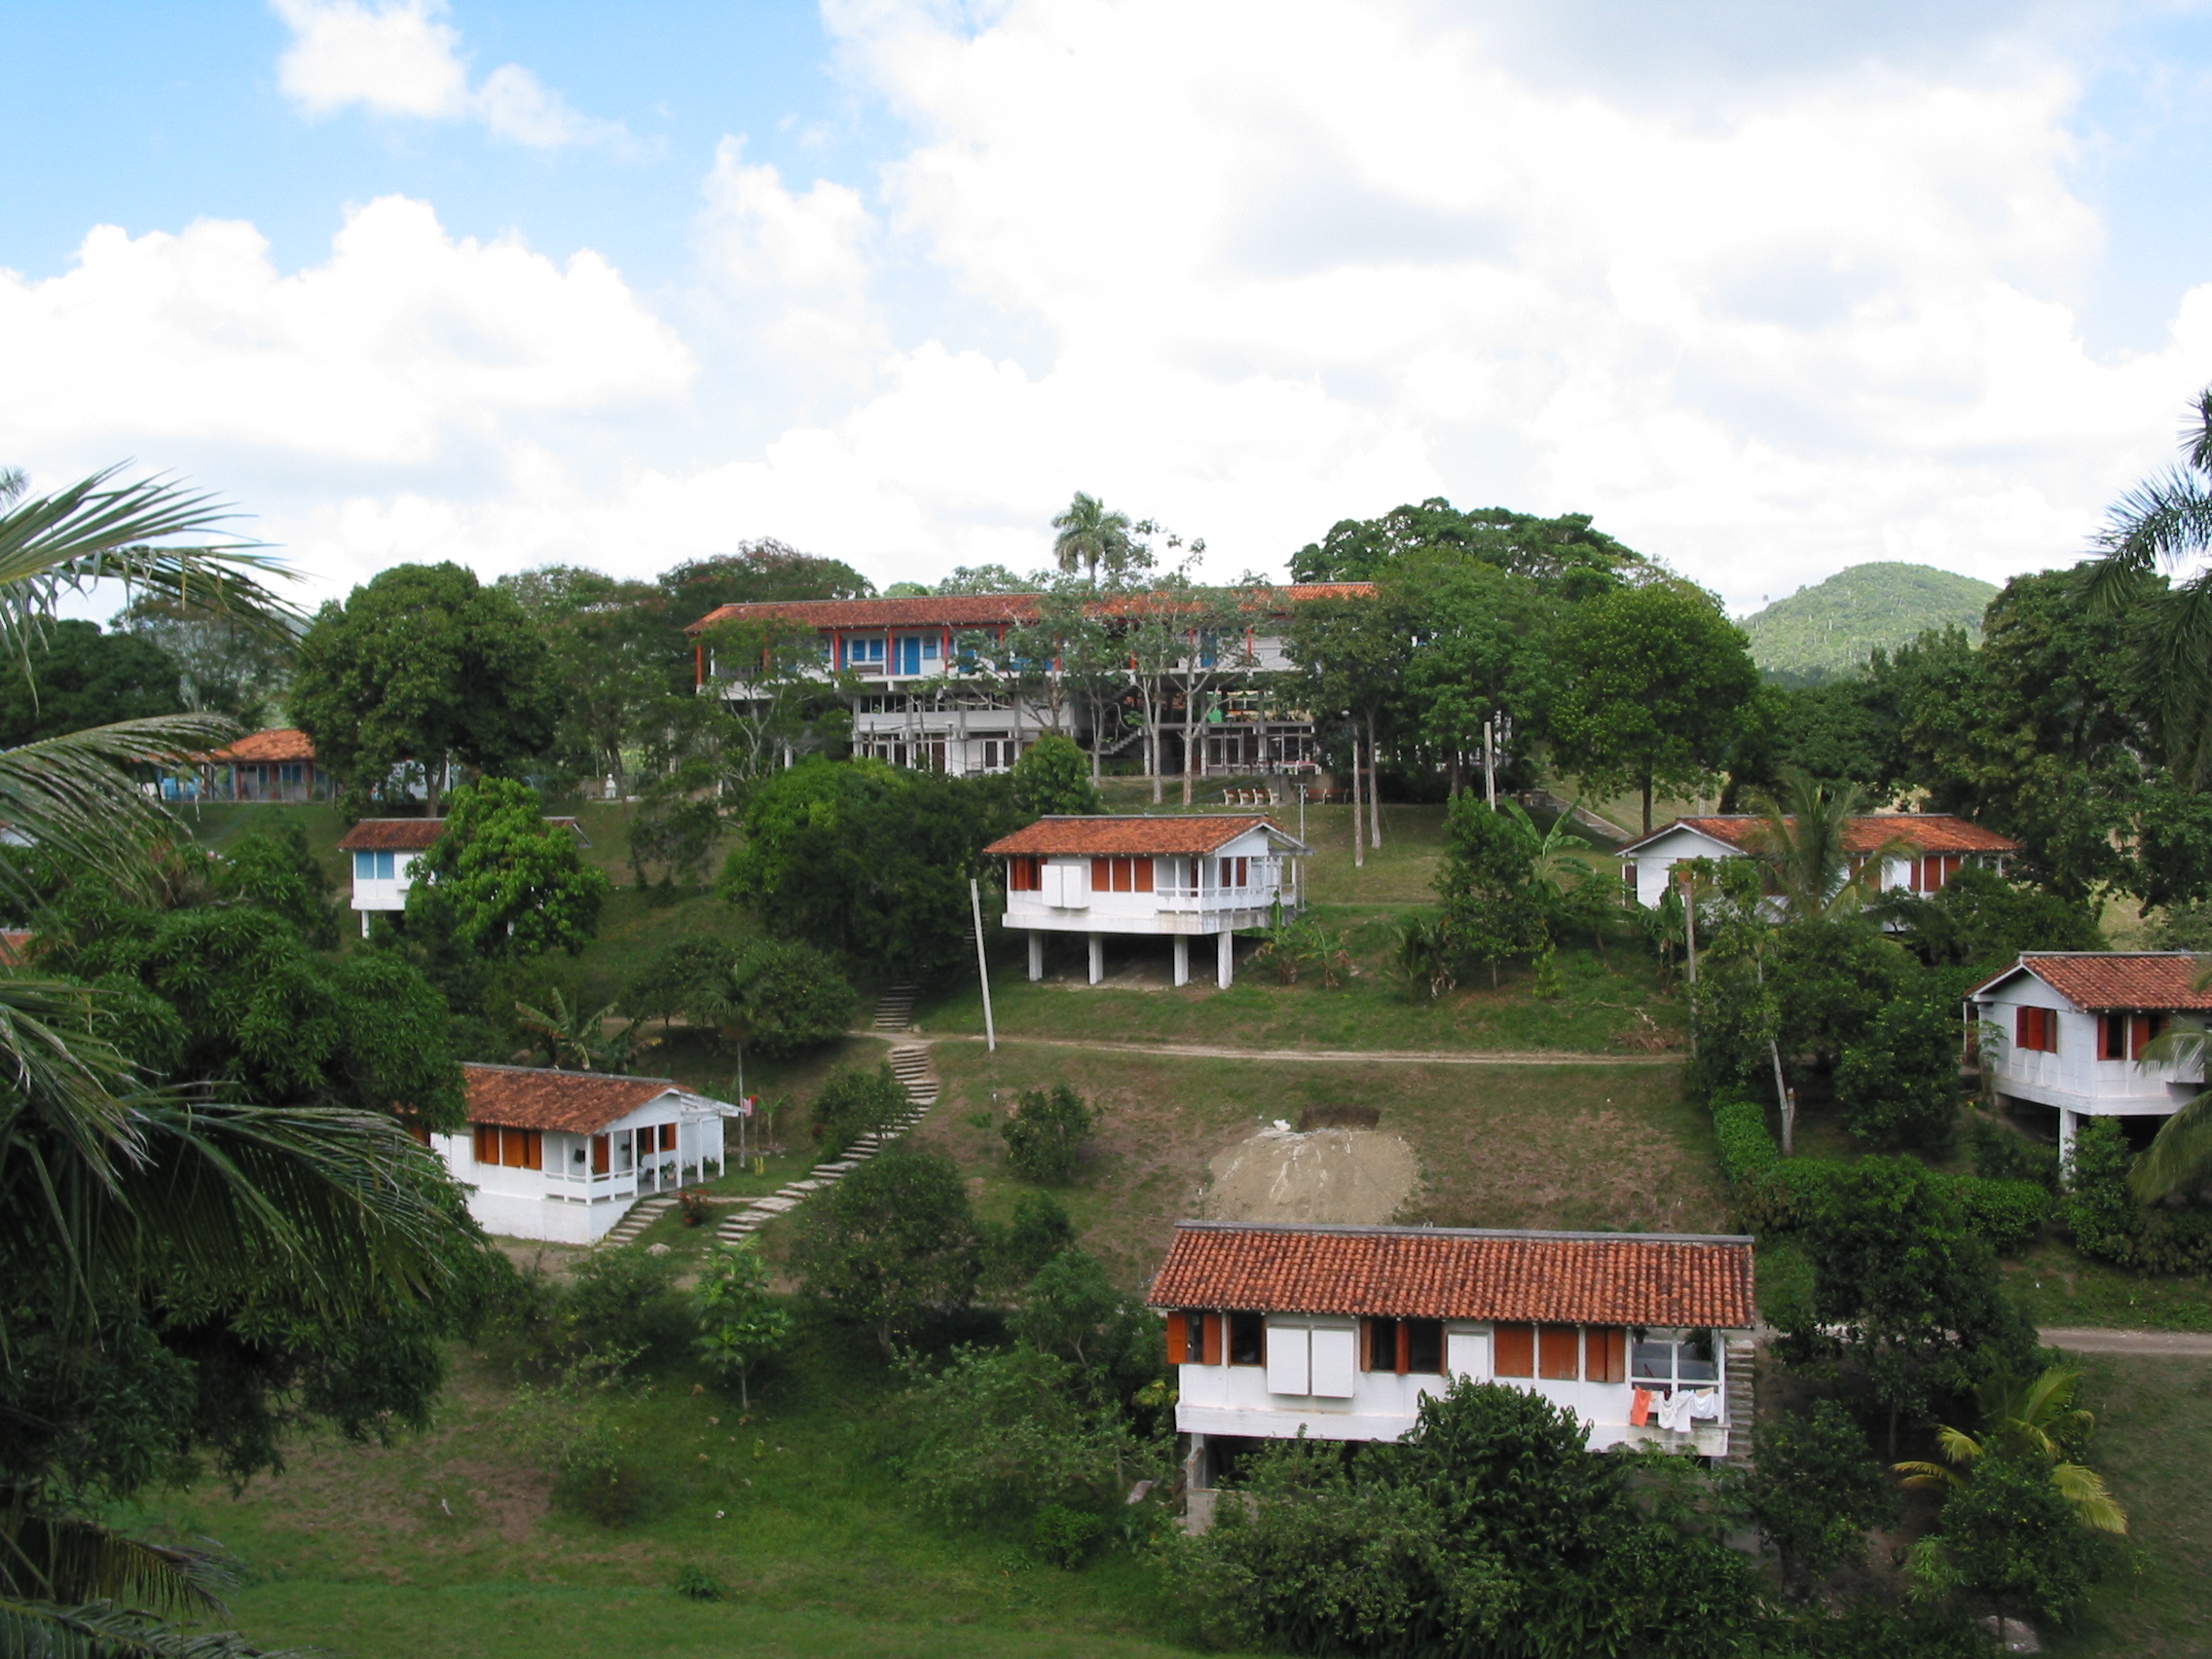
364	866
383	867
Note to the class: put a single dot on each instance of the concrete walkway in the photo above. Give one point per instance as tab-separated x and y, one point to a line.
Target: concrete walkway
2192	1345
1356	1056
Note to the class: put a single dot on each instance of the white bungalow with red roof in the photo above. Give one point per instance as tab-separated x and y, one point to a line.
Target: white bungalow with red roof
385	851
561	1156
915	706
2067	1029
1338	1331
273	765
1173	877
1936	847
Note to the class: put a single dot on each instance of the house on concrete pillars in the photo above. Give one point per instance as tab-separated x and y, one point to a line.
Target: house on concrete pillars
1180	878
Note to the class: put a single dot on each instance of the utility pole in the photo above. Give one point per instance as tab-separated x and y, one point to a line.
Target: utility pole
1689	939
983	963
1490	763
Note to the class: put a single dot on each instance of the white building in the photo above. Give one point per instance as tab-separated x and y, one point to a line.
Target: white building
563	1155
927	697
1936	847
385	851
2067	1029
1338	1331
1179	877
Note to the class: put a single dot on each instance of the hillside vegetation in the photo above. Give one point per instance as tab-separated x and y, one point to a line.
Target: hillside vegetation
1818	633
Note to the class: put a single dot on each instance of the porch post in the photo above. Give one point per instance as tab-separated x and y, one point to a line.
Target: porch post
1097	957
1036	953
1182	959
1225	971
2069	1123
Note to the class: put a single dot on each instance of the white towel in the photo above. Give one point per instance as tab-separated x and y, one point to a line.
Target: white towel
1706	1403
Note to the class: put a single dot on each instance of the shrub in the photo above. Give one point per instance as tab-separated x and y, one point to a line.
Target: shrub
2008	1214
2106	1222
1038	1230
1816	1491
2000	1153
1053	776
795	997
1046	1135
853	1103
1748	1153
1063	1537
889	1244
1900	1085
696	1584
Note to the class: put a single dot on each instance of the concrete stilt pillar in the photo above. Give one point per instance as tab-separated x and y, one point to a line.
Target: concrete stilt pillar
1182	959
364	924
1036	953
1097	957
2069	1124
1225	971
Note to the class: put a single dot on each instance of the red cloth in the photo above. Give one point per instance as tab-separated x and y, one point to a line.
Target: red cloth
1640	1408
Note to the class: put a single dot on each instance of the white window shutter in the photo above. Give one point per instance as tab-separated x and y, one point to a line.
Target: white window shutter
1335	1363
1287	1369
1467	1354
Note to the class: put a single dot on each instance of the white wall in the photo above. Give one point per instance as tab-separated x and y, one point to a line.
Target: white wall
2073	1078
1069	904
565	1201
375	895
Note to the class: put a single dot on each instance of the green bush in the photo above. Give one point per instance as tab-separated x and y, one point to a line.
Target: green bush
2000	1153
1053	777
695	1583
2008	1214
1748	1153
1063	1537
853	1103
2106	1222
1899	1086
1045	1138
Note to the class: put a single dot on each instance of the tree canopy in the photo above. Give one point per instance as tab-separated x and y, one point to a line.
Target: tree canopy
77	677
502	880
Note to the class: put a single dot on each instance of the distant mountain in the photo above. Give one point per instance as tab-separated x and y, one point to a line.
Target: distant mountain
1818	633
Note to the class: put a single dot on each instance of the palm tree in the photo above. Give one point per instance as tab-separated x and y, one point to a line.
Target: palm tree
574	1038
1091	534
2181	1151
2166	520
1803	838
2027	1419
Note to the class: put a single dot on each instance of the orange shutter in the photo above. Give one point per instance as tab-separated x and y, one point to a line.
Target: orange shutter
1515	1351
1608	1355
534	1149
1101	875
1144	875
600	1151
1559	1352
1178	1339
668	1137
1209	1339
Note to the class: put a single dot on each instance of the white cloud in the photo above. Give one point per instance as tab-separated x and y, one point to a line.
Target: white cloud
402	59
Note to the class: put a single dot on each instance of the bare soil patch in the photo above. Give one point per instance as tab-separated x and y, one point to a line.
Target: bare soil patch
1339	1176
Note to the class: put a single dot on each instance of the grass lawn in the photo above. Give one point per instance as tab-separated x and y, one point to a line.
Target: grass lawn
2153	1446
445	1545
2061	1288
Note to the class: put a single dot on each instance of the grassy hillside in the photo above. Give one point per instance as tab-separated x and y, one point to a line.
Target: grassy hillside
1818	633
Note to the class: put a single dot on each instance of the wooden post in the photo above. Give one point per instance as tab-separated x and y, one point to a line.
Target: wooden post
1374	787
1358	830
983	963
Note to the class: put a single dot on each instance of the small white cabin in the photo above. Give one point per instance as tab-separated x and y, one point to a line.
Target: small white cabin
2066	1029
561	1156
1176	877
384	850
1338	1331
1935	846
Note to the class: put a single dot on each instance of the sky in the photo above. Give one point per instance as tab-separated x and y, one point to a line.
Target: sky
1767	288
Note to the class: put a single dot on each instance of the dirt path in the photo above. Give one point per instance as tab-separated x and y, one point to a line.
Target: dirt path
2193	1344
1383	1057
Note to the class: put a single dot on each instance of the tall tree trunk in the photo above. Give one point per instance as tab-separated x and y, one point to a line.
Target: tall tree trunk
1458	771
1374	787
1190	747
1358	830
1647	805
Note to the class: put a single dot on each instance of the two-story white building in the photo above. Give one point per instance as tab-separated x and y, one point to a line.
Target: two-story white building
921	704
561	1156
385	851
1924	849
2067	1030
1338	1331
1179	877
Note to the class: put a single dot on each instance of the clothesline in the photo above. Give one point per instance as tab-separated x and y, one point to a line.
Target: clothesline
1673	1412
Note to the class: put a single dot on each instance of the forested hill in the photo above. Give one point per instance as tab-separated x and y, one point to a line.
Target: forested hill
1821	632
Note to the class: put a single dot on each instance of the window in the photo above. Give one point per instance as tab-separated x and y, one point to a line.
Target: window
1235	872
1024	876
1559	1352
1381	1345
1121	876
1656	1361
1607	1355
598	1149
863	655
668	1137
1247	1339
510	1149
1423	1346
2125	1036
2037	1028
1514	1350
364	866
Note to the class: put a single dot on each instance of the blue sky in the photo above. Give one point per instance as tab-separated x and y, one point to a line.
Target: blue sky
1770	289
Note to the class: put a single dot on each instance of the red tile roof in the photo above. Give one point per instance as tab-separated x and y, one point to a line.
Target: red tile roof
1105	837
1929	831
413	835
962	610
1436	1272
2097	980
579	1103
14	946
260	748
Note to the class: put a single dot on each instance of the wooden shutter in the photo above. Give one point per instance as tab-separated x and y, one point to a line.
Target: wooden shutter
487	1144
1209	1339
2140	1031
1101	875
1178	1339
668	1137
1515	1351
2112	1037
534	1149
1559	1352
1608	1355
600	1150
1144	875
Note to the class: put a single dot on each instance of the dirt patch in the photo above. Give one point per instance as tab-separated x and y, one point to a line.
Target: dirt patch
1339	1175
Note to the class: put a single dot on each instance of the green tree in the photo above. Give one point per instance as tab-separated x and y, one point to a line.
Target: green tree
225	664
1490	912
1470	627
1981	921
856	1101
574	1033
1804	840
1038	1229
424	666
1564	552
740	1324
759	573
1072	1309
2031	1420
1900	1085
1053	777
1648	685
1095	537
1815	1491
893	1241
618	656
1047	1135
2012	1541
78	677
502	881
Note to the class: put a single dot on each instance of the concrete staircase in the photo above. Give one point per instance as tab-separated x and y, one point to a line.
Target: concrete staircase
894	1009
910	1064
643	1215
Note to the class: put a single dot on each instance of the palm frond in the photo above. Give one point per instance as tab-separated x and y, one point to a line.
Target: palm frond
2179	1153
106	1630
2084	1488
69	1561
2164	519
1926	1475
99	530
